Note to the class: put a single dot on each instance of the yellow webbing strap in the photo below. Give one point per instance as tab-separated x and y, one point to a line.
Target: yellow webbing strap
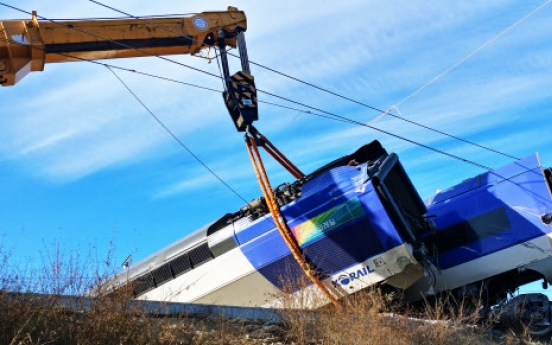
286	234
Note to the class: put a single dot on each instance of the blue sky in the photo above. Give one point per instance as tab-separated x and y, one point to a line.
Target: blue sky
83	163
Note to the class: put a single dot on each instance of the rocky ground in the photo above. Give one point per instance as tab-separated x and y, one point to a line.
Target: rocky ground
222	331
244	332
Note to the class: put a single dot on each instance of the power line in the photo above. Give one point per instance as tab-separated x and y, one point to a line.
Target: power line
176	138
327	115
383	112
358	123
341	118
180	142
95	62
474	52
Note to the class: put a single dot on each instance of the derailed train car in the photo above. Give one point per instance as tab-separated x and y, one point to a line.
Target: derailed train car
361	223
358	221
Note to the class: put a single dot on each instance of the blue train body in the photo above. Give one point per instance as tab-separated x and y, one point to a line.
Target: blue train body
492	232
490	212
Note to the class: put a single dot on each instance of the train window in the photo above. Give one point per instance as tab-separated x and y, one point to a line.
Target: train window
162	273
469	231
143	284
200	255
181	264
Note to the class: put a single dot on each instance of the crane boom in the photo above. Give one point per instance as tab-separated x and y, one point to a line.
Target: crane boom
26	45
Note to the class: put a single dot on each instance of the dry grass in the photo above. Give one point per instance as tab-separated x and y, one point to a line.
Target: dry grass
368	318
42	319
39	319
34	308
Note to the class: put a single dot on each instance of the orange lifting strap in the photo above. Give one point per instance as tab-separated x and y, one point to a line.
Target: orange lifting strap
264	183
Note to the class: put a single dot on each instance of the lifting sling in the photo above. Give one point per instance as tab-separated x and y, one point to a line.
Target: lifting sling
253	140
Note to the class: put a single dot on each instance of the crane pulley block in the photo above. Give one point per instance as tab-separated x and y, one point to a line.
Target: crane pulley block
241	100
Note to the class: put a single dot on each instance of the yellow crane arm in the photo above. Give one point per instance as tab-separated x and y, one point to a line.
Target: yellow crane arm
26	46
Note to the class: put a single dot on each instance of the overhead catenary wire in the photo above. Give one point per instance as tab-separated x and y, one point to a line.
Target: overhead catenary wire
333	116
237	56
396	136
326	114
474	52
383	112
172	80
176	138
130	70
261	91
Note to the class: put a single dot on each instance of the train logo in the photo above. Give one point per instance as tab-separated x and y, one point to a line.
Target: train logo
346	279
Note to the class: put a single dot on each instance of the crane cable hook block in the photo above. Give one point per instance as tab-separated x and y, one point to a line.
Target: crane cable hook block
254	139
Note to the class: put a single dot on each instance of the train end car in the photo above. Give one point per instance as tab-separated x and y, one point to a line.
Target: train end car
358	221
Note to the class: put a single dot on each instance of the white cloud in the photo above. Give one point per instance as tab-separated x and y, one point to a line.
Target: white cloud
189	185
